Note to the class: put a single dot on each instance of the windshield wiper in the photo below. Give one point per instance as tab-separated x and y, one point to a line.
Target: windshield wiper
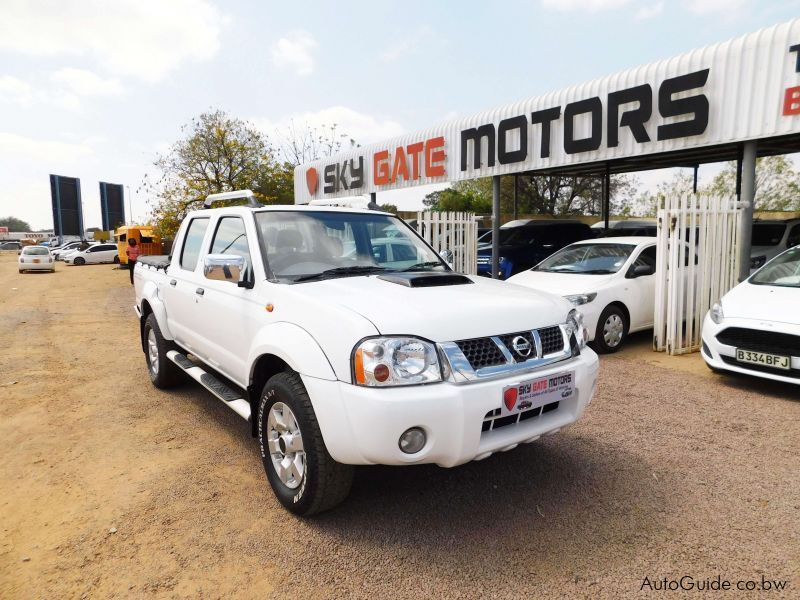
597	272
422	265
355	270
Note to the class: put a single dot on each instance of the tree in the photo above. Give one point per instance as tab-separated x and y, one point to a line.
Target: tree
389	208
777	183
217	153
306	143
453	199
15	224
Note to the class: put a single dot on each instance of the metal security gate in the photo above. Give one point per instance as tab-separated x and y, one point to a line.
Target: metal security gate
696	264
452	233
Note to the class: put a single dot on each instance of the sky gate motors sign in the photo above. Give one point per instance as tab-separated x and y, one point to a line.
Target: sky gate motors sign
743	89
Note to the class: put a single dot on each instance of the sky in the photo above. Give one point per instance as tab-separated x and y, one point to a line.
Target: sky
95	89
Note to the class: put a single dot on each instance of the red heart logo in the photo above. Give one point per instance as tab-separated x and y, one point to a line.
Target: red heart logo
510	398
312	180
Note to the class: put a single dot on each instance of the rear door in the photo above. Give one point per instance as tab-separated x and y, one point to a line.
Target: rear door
642	291
181	294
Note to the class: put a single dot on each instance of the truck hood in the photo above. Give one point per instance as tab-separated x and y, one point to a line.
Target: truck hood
443	313
762	302
562	284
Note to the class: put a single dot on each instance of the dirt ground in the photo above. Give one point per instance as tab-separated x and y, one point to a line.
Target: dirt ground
110	488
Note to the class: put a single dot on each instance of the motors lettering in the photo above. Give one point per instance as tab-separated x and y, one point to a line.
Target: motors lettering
631	108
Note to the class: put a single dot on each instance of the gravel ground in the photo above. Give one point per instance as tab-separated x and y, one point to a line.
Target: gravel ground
111	488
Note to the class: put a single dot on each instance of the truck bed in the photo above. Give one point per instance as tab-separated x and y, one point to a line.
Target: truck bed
155	261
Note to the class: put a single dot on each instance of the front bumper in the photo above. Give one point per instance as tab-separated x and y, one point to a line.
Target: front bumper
506	268
362	425
721	356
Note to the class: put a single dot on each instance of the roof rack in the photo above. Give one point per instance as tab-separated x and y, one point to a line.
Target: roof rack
234	195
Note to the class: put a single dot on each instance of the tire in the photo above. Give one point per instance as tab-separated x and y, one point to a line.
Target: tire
163	372
22	270
323	483
116	260
79	261
612	330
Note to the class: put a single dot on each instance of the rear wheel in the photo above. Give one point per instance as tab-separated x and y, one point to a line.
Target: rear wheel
79	261
612	329
163	372
116	260
304	477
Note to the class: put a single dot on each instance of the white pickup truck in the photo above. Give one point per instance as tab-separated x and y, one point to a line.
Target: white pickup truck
344	339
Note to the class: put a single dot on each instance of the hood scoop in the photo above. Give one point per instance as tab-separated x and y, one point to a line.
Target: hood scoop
420	280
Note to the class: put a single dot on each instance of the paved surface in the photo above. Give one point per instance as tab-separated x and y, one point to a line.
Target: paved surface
110	488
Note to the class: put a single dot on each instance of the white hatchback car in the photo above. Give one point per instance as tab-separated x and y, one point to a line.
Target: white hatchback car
99	253
755	328
36	258
611	280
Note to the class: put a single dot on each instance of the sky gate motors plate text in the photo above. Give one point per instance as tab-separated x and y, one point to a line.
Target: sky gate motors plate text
743	89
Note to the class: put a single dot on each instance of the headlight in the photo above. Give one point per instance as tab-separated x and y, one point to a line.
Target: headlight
578	299
390	361
756	262
716	313
575	326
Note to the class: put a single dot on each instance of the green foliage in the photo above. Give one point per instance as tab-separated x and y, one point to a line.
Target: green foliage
550	195
15	224
777	183
389	208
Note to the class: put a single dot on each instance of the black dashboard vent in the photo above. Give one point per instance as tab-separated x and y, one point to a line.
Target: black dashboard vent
419	280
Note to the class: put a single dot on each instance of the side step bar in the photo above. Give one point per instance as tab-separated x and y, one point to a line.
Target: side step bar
230	397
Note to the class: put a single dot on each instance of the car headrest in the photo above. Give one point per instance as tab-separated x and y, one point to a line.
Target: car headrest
289	238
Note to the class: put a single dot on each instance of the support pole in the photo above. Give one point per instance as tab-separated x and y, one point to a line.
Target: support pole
373	201
496	227
606	199
516	193
746	199
694	186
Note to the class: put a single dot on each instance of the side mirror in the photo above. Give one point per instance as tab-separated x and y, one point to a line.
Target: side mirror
226	267
448	257
640	271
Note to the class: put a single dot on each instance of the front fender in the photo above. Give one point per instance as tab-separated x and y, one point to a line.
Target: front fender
157	307
295	346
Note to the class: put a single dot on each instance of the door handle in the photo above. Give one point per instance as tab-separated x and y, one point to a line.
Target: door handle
199	291
173	282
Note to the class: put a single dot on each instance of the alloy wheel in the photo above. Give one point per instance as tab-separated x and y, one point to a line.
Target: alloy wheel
285	443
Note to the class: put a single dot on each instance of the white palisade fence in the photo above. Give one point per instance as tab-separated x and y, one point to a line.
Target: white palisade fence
456	232
696	264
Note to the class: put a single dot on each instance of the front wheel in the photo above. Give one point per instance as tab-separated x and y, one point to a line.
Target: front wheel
304	477
612	329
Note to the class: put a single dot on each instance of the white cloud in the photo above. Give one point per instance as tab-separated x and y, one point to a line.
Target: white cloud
294	52
584	5
144	38
361	127
708	7
15	91
649	12
86	83
48	153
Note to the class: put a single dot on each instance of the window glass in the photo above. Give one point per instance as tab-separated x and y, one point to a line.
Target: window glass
591	259
36	250
784	271
794	237
192	243
768	234
230	238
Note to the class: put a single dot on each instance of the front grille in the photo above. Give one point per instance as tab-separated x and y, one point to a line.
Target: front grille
508	342
552	340
793	373
481	352
493	420
761	341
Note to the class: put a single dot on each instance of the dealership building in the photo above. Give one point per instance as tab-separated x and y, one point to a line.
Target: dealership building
736	100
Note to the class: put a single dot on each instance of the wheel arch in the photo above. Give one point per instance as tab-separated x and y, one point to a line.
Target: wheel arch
264	367
625	312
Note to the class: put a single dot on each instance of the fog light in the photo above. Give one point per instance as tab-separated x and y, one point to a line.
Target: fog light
412	440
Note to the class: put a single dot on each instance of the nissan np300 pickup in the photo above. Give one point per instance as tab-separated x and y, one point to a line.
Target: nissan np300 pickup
344	339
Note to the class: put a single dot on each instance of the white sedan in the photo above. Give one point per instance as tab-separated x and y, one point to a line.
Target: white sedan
755	328
36	258
611	281
99	253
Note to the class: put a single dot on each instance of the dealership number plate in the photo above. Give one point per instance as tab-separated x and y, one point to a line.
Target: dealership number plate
776	361
534	393
36	260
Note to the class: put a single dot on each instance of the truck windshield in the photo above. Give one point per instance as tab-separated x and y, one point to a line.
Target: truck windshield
310	245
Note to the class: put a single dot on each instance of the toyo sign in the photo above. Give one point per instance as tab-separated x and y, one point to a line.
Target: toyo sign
744	89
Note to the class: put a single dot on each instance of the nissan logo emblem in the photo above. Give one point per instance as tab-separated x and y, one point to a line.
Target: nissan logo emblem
521	346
